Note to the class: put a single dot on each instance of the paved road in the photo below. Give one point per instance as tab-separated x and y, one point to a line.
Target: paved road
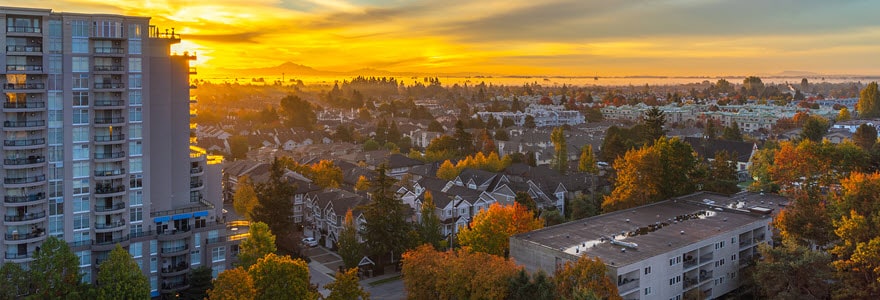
390	291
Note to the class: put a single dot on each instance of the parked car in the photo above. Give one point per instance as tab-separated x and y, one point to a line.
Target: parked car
311	242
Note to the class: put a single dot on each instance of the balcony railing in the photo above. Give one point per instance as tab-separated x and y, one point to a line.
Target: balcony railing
26	179
24	68
111	241
628	284
19	255
109	120
101	189
110	85
109	50
109	68
176	268
110	138
109	103
110	155
24	29
34	123
24	161
705	275
24	236
21	143
113	172
24	86
109	225
23	199
103	208
175	249
10	48
28	104
196	184
25	217
195	170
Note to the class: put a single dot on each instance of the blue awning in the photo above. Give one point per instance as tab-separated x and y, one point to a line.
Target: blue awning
200	214
181	217
161	219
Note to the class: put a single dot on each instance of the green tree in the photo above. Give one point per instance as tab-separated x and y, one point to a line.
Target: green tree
560	158
346	287
349	247
792	271
238	146
753	86
298	112
678	161
371	145
260	242
552	217
584	276
464	141
584	206
233	284
529	122
245	198
536	287
732	133
279	277
387	231
526	200
722	175
654	120
587	162
815	128
199	284
13	281
865	137
869	102
711	130
843	115
274	201
435	126
502	135
120	277
55	271
429	225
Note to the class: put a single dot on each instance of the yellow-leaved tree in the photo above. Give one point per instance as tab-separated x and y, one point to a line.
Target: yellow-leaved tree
491	229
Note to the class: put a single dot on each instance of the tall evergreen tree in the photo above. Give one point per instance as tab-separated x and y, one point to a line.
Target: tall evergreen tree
654	120
429	226
274	199
732	133
386	231
865	137
869	102
464	140
199	284
120	277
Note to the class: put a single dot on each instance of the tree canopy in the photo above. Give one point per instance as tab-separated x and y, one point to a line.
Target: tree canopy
274	201
491	229
456	274
55	270
429	225
245	198
584	276
349	247
280	277
346	286
260	242
869	102
120	277
386	230
233	284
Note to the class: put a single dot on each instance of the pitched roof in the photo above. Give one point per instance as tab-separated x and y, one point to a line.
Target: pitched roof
707	148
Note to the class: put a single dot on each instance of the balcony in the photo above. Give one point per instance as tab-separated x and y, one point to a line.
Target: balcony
24	68
115	208
110	155
178	269
705	275
196	170
107	244
25	142
23	29
108	189
708	257
24	218
24	125
171	287
109	103
627	285
690	281
110	138
170	235
108	50
109	85
110	173
196	184
21	238
24	105
25	199
24	86
109	68
109	120
175	251
19	256
26	49
105	227
24	179
23	162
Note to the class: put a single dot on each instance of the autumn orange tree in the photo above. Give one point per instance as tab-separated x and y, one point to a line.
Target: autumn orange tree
233	284
346	287
325	174
858	228
458	274
491	162
585	277
491	229
633	186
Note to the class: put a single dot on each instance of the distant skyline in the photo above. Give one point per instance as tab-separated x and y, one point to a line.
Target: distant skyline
537	37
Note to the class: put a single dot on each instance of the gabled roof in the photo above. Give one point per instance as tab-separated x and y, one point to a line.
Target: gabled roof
398	160
241	167
480	177
741	151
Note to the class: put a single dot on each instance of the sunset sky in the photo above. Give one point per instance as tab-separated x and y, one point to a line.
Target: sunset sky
551	37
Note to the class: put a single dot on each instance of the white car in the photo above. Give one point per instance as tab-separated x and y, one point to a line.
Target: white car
311	242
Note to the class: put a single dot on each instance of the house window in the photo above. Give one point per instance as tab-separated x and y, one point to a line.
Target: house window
647	271
218	254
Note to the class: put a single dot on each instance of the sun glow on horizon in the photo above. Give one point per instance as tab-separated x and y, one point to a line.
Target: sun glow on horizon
554	37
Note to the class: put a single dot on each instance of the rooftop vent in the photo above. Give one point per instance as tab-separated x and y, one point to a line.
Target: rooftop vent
682	232
623	250
627	220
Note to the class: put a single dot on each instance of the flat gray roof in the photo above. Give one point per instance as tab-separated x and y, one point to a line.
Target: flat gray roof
654	229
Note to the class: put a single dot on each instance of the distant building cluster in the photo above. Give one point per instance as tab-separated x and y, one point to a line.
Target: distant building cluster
544	115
